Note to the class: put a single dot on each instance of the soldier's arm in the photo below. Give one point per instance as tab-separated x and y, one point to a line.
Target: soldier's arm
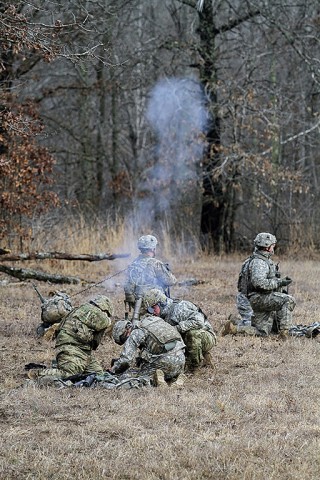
187	317
164	275
129	350
96	320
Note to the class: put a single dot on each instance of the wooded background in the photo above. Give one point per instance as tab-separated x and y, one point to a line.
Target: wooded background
197	118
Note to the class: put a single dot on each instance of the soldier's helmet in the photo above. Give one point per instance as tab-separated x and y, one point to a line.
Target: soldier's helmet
147	242
119	330
104	303
152	297
264	240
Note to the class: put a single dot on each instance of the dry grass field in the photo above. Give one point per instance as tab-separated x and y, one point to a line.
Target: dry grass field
254	416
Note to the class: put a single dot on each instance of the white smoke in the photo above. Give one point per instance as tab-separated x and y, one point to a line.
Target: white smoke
178	116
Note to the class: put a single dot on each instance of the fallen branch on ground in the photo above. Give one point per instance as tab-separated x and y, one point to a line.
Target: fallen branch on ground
23	274
63	256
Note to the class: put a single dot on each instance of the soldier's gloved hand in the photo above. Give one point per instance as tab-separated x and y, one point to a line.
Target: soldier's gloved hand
130	298
113	361
284	282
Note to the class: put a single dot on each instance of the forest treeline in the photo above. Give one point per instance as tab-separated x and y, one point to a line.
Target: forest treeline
199	118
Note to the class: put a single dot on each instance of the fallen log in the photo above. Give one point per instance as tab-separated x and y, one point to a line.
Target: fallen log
62	256
23	274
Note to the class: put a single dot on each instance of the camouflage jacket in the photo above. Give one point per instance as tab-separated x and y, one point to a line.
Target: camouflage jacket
185	316
83	327
263	272
147	272
141	344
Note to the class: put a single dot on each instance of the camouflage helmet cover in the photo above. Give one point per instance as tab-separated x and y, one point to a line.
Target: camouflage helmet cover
103	302
119	329
265	240
152	297
147	242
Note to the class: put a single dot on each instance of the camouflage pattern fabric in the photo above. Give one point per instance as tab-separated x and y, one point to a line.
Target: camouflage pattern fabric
309	331
264	298
134	351
147	272
80	333
198	343
82	326
197	332
244	308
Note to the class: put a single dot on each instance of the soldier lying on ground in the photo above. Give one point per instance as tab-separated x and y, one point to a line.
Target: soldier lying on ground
193	325
263	303
146	271
153	346
79	334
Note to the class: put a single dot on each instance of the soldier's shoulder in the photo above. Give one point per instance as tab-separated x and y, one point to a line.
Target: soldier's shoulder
84	309
259	262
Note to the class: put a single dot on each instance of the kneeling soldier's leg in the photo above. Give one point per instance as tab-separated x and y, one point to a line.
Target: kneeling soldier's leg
284	314
194	354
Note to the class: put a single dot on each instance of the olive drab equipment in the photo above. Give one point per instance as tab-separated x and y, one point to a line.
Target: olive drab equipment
55	307
162	337
53	310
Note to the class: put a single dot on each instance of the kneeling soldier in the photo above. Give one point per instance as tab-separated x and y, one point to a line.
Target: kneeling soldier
196	331
79	334
153	346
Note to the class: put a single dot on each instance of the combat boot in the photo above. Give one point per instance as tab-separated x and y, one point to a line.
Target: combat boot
158	379
33	374
284	334
207	360
229	328
179	381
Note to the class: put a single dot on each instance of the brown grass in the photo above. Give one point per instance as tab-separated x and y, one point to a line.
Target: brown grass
254	416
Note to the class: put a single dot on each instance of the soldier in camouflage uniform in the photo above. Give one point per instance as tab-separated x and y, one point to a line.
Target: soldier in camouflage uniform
79	334
151	345
196	331
270	307
146	271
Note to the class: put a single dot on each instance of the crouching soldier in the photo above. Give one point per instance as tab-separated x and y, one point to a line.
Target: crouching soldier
263	301
153	346
79	334
196	331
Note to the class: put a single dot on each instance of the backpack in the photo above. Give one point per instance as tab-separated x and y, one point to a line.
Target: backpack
244	280
55	308
162	337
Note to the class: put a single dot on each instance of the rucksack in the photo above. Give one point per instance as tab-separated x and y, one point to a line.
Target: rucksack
162	336
244	280
55	308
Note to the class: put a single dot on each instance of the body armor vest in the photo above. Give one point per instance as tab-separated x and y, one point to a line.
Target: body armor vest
162	337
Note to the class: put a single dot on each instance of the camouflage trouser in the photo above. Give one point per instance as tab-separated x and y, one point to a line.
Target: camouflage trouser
72	360
198	343
171	363
272	311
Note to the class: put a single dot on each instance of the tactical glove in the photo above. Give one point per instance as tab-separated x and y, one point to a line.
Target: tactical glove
130	299
284	282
